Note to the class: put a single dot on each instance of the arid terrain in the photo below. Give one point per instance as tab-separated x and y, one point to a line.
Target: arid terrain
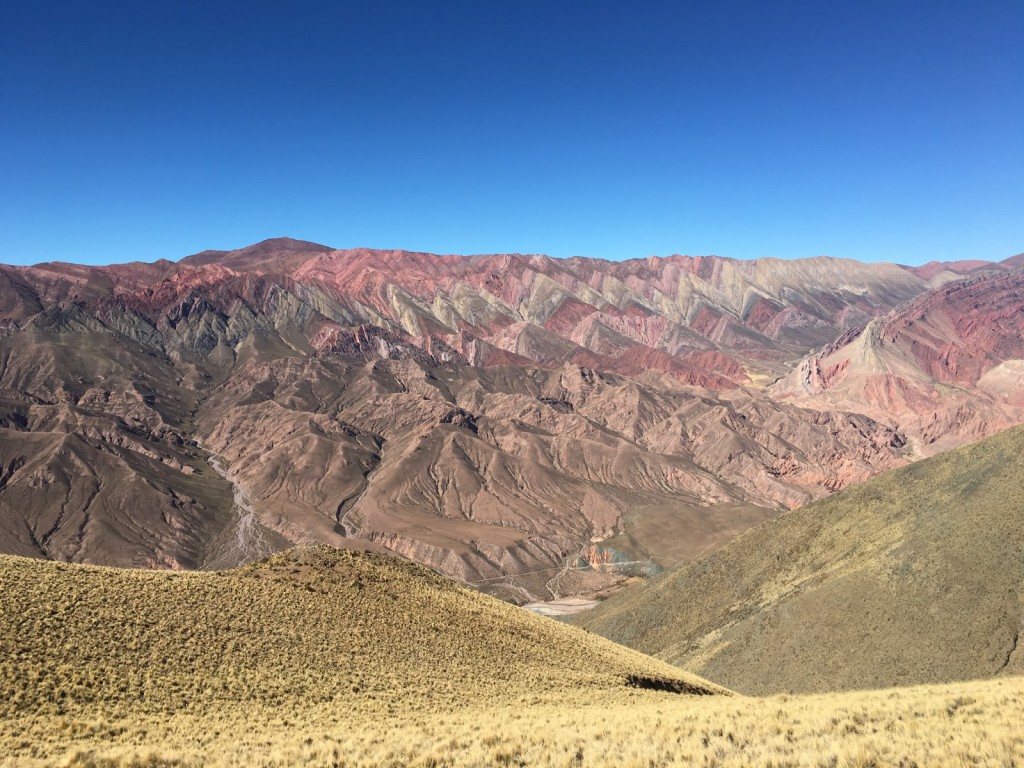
946	366
326	658
915	576
548	432
530	426
689	433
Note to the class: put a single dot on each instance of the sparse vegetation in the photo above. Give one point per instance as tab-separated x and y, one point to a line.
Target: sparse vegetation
328	658
914	577
974	724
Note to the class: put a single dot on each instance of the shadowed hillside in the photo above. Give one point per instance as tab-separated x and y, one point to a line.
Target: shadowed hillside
915	576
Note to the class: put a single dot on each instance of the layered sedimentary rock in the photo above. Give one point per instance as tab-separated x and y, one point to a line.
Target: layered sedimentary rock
946	367
500	418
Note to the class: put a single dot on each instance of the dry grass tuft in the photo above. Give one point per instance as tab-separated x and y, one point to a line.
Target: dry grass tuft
899	728
326	658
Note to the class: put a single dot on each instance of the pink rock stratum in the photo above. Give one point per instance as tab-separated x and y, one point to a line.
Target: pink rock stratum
534	426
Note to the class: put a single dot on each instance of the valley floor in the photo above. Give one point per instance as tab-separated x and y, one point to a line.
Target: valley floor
964	724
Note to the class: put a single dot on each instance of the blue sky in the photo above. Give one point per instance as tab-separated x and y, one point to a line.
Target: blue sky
869	130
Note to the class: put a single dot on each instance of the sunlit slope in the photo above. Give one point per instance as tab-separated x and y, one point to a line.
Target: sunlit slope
916	576
361	631
961	724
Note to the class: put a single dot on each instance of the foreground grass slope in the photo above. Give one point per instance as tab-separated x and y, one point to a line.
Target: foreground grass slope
916	576
325	658
970	724
360	631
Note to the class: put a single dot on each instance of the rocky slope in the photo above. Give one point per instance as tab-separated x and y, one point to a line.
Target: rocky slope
914	576
938	273
509	420
947	367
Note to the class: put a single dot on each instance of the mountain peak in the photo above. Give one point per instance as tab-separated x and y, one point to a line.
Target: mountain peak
275	244
276	254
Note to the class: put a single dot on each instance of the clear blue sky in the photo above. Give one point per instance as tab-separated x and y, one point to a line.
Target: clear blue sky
870	130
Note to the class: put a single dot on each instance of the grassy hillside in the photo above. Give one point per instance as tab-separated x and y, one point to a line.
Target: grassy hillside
358	630
916	576
326	658
967	724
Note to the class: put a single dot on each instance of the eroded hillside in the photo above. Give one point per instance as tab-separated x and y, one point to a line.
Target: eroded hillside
519	423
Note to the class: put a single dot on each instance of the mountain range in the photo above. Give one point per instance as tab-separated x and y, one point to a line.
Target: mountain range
532	426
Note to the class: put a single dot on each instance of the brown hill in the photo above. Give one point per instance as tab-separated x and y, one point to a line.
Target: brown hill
937	273
481	473
280	254
914	576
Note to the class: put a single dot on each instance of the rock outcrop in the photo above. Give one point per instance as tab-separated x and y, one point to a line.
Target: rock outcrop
945	367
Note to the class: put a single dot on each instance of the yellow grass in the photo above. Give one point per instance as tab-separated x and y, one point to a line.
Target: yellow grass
971	724
345	659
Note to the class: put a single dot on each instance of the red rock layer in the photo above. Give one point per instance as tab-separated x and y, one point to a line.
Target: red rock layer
491	416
